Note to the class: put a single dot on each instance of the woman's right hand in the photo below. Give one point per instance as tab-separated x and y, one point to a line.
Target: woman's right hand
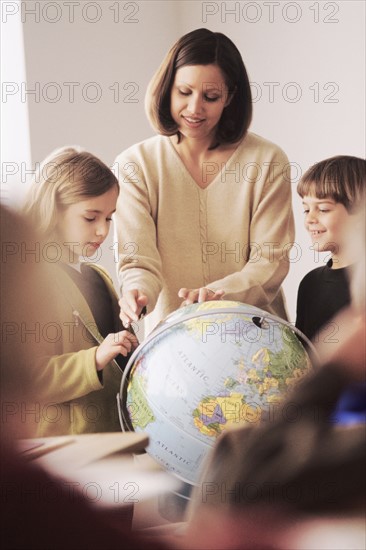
203	294
131	304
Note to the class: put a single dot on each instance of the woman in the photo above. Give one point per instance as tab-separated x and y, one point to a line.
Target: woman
205	208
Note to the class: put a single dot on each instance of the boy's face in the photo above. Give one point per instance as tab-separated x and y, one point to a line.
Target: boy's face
327	223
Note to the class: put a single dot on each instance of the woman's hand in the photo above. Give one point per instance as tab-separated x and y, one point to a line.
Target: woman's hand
131	304
203	294
119	343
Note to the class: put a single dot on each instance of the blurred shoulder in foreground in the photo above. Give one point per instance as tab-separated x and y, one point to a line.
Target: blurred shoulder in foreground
38	510
303	467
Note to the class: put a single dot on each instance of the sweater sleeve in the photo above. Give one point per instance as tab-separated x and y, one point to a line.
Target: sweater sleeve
60	378
271	238
139	262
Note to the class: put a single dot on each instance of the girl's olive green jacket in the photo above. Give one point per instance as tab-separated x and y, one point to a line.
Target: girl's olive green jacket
70	396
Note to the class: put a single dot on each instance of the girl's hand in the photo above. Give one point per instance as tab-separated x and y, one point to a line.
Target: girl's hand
121	342
203	294
131	304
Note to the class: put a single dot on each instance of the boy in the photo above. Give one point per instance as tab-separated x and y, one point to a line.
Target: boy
331	191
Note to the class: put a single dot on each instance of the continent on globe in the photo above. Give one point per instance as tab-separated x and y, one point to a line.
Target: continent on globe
216	413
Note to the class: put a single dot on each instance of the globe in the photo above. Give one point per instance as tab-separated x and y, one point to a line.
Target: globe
207	367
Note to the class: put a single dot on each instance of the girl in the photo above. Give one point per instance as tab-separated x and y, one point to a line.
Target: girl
207	204
83	348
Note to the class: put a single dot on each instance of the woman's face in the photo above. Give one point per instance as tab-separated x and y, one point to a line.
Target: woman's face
198	98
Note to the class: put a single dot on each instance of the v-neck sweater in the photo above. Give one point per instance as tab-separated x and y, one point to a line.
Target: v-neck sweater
235	234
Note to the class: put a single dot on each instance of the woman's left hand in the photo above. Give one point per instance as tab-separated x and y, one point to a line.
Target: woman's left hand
203	294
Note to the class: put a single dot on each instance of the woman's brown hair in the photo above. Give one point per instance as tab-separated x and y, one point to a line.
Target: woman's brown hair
203	47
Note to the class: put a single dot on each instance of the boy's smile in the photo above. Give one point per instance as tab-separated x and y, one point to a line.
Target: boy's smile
326	221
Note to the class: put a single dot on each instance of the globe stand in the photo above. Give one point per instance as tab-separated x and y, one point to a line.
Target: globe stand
262	357
172	506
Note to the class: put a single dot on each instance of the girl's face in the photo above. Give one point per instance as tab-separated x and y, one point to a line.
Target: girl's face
327	223
198	98
83	226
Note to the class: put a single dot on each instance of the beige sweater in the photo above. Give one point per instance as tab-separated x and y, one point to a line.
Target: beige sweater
235	234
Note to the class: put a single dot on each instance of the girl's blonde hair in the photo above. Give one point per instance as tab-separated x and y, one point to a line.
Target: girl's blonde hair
67	176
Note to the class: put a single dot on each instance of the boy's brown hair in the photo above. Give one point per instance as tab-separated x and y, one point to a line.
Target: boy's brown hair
341	178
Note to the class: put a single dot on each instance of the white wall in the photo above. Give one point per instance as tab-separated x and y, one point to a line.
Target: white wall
15	139
311	52
110	63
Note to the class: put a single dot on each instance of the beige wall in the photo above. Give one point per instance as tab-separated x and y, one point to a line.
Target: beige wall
109	63
305	59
